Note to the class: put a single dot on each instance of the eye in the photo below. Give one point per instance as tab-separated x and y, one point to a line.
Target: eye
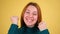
34	14
28	12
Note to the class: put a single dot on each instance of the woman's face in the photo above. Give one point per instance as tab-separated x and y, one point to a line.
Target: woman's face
30	16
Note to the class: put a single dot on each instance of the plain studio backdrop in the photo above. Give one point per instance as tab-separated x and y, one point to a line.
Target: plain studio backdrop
50	13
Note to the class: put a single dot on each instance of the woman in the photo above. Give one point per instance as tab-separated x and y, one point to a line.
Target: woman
31	21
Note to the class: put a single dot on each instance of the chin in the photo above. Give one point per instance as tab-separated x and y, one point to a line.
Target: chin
29	24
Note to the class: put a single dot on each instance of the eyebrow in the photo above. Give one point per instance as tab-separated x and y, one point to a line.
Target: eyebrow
28	9
33	11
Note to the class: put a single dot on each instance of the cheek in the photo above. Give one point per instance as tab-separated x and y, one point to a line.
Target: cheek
25	17
35	18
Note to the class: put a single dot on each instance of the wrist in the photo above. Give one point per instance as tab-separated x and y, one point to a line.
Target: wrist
43	29
15	23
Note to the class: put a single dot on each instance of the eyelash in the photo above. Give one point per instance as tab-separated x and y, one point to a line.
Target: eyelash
34	14
29	13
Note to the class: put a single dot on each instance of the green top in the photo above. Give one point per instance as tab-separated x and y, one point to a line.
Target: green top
25	30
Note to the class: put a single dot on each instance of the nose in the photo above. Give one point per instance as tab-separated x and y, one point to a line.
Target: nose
30	15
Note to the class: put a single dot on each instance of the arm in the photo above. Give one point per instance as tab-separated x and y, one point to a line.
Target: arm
13	29
43	28
45	31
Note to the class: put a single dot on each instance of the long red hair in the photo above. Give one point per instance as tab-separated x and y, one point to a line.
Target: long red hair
39	14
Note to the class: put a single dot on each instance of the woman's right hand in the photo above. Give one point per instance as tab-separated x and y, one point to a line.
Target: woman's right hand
14	19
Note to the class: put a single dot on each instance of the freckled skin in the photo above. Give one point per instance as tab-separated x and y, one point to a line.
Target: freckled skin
30	16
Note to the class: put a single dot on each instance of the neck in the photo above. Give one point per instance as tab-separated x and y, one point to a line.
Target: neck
31	26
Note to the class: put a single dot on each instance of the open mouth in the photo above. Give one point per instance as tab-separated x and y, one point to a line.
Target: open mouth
29	19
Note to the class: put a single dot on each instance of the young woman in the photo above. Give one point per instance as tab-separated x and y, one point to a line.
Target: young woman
31	21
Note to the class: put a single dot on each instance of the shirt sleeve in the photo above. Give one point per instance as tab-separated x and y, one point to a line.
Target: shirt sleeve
44	31
13	29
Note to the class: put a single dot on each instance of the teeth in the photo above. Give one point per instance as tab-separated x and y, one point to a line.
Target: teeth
29	20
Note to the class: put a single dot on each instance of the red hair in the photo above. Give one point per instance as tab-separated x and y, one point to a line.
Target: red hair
39	13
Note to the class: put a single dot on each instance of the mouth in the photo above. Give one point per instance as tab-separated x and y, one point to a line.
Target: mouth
29	19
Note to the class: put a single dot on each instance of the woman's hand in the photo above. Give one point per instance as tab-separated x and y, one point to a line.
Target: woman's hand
42	26
14	19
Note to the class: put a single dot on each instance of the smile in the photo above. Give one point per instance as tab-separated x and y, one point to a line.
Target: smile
30	19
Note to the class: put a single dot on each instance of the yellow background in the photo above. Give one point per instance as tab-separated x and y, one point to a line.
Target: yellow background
50	13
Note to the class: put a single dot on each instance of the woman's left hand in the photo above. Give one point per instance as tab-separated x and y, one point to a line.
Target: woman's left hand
42	26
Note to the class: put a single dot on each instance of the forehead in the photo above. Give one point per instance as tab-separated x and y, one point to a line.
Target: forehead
31	8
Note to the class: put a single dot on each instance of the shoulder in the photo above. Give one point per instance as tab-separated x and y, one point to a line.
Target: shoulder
21	29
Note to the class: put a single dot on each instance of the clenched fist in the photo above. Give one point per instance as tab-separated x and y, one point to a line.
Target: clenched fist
14	20
42	26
